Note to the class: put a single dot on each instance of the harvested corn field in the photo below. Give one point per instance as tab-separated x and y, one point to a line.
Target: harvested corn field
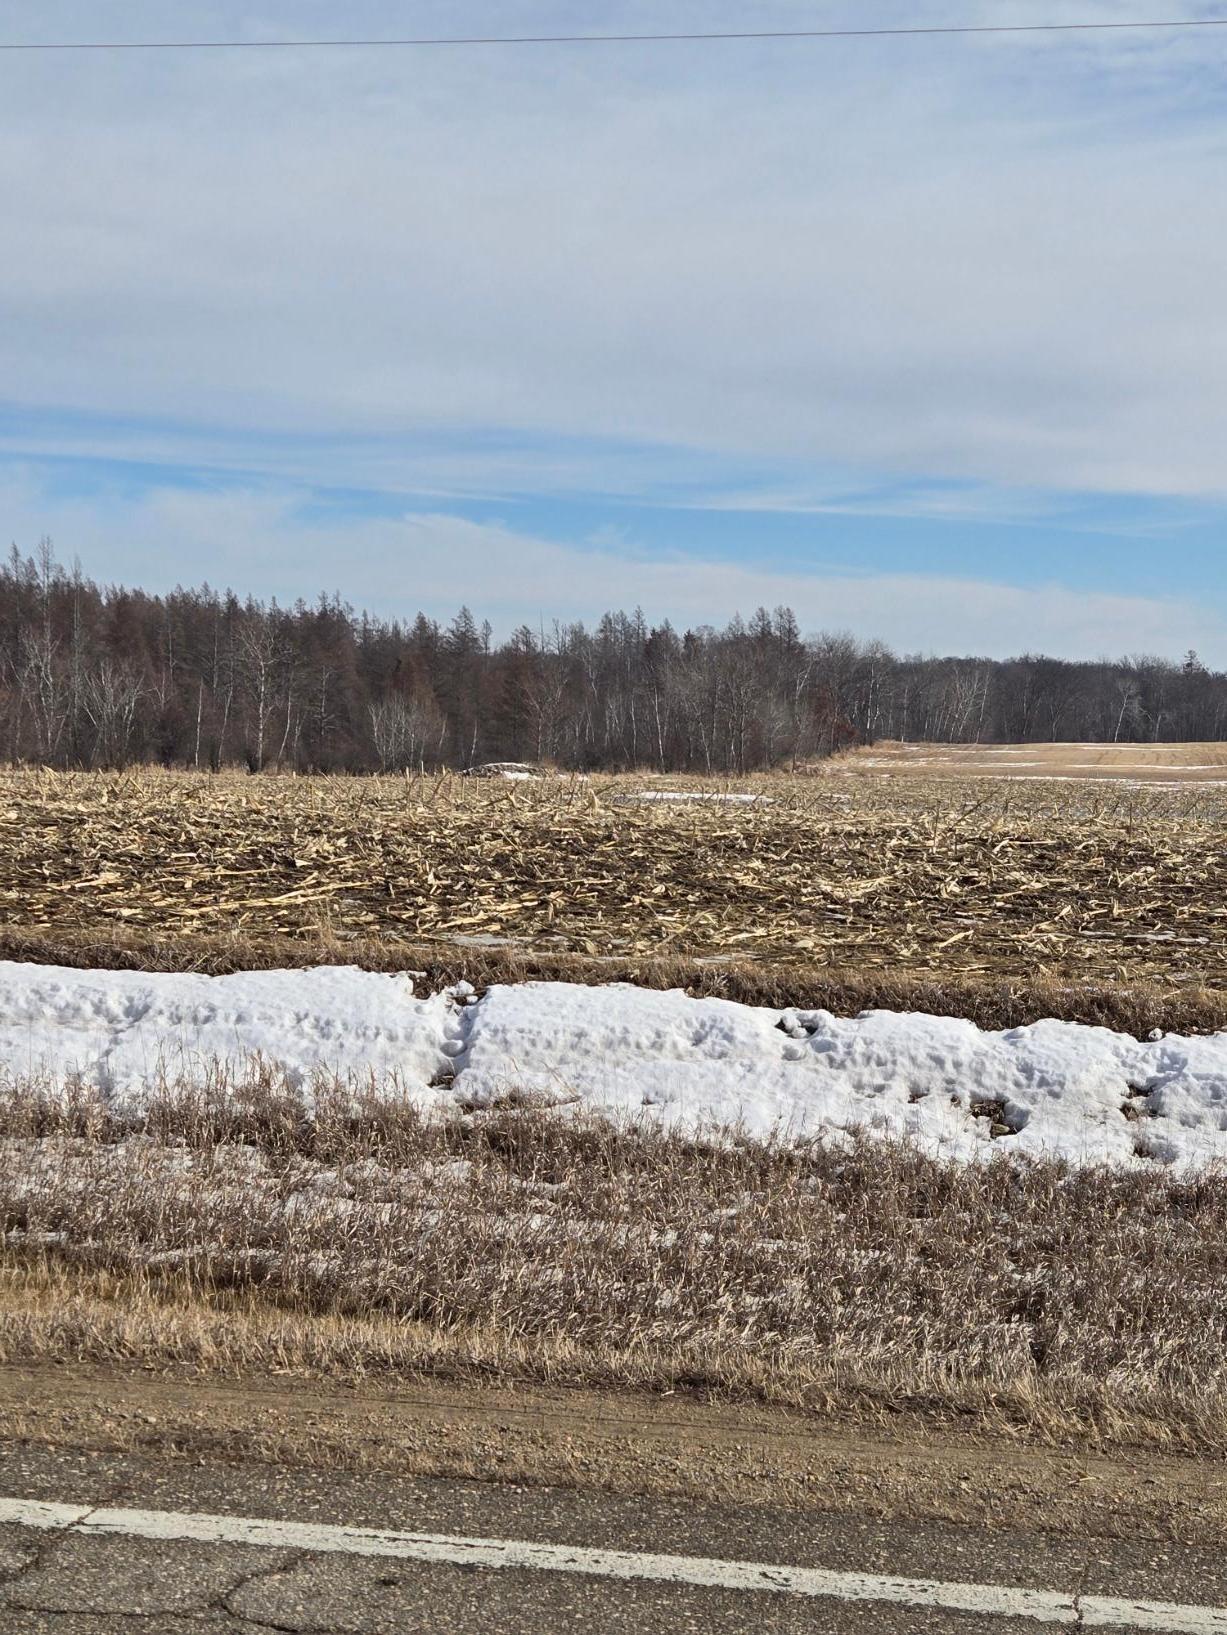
1021	880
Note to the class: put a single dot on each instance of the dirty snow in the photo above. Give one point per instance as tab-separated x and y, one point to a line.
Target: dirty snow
518	771
693	795
1087	1094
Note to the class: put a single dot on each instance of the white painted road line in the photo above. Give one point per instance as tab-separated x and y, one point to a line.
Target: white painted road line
1043	1606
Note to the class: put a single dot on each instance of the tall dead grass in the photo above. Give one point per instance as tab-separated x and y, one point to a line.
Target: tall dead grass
235	1225
1135	1006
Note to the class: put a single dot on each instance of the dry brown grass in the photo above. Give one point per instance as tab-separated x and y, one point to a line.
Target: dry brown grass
857	880
1135	1007
1142	764
229	1227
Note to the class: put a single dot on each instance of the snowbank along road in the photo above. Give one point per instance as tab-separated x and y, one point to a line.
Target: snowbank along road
1053	1088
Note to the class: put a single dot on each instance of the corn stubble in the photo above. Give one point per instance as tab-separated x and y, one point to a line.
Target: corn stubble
981	879
231	1226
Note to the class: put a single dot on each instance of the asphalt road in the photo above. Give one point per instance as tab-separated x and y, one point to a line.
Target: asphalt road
62	1582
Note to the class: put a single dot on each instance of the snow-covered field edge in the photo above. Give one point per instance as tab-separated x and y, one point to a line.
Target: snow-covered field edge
1087	1095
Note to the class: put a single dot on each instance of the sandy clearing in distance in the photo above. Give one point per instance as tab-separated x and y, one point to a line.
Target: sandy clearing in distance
1148	763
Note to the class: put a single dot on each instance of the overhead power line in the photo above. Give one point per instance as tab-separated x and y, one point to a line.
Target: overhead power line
613	39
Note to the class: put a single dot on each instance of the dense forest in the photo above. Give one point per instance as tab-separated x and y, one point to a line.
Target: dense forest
94	676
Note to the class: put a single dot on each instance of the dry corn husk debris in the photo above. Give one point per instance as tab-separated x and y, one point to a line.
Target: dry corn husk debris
1090	882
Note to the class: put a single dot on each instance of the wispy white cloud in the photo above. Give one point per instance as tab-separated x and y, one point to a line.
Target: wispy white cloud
996	261
974	504
260	543
960	282
936	503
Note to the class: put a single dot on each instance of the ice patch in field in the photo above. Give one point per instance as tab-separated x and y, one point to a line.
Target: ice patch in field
1086	1094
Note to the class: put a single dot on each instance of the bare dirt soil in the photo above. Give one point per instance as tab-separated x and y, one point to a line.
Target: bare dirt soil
621	1443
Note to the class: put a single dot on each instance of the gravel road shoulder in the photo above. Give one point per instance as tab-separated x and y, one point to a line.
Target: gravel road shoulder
621	1444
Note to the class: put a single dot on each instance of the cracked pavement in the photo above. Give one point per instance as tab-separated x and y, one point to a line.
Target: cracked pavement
57	1582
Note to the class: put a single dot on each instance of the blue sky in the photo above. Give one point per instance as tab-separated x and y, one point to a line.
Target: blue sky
925	338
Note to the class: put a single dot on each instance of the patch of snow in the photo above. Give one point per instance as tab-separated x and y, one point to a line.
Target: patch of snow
518	771
1060	1087
694	794
1141	766
124	1030
1087	1094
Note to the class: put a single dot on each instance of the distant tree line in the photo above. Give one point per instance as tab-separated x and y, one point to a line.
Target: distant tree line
94	676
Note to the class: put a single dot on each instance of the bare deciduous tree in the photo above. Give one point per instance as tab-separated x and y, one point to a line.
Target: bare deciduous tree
93	676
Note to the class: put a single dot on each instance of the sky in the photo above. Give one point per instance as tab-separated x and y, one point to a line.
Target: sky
922	337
